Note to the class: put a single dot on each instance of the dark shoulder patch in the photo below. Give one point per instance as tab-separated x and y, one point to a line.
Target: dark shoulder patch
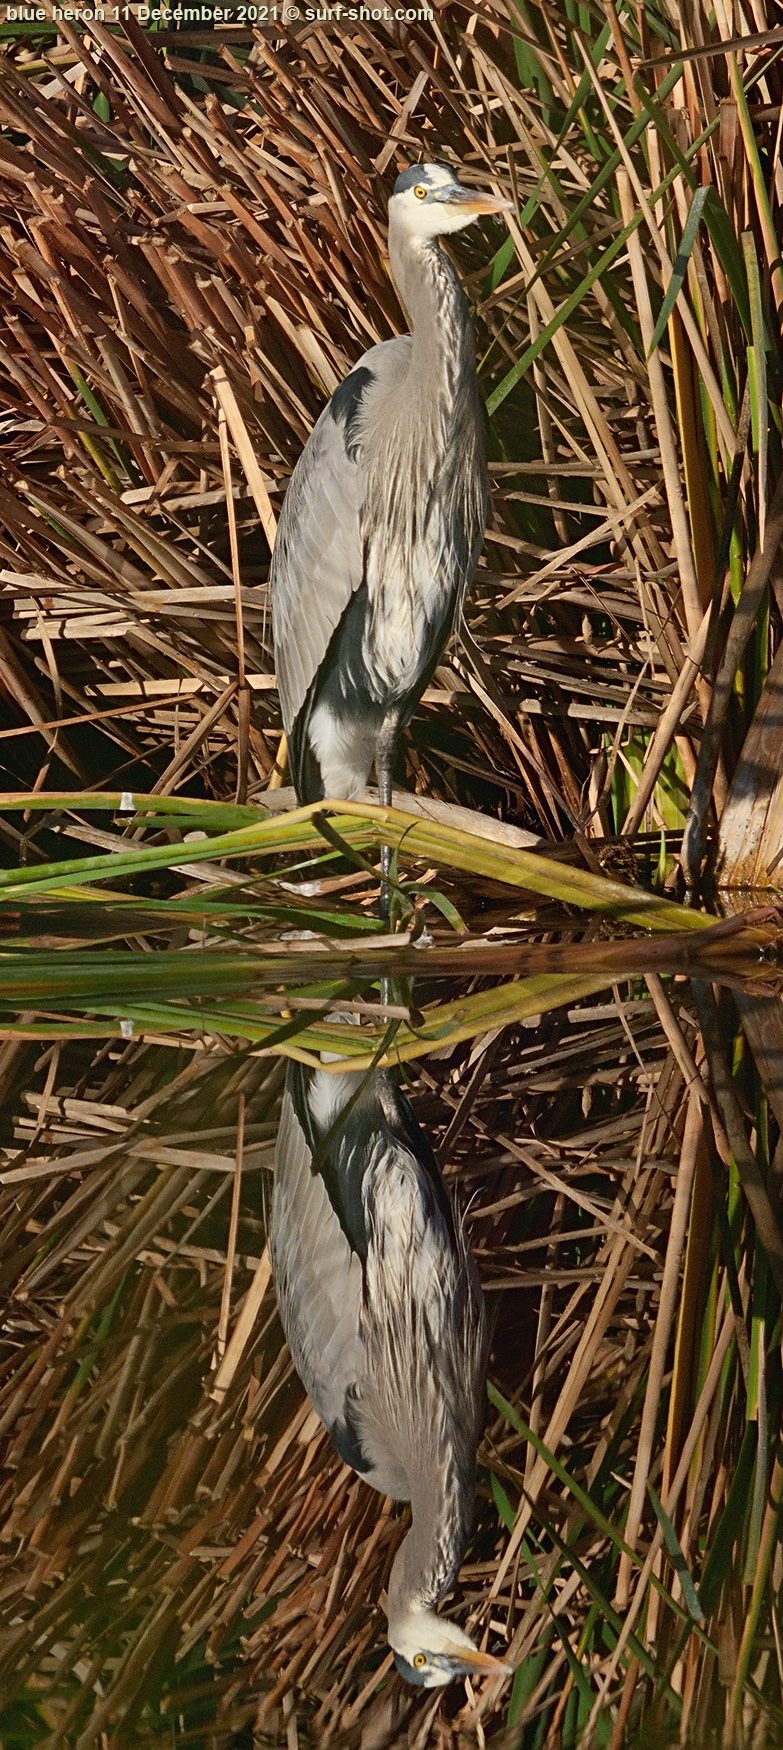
344	1165
345	403
297	1081
346	1441
413	1138
339	1156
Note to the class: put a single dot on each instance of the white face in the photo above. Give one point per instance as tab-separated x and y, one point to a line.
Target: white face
430	1651
423	1673
428	202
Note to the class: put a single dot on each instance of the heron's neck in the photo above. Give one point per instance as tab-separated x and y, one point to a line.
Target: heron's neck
435	305
429	1556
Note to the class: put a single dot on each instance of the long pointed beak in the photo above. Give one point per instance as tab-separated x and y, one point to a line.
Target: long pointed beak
473	1662
471	200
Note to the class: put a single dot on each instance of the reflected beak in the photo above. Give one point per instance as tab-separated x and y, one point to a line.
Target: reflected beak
473	1663
472	201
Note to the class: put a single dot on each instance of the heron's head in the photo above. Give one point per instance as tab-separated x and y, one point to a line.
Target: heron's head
428	202
431	1651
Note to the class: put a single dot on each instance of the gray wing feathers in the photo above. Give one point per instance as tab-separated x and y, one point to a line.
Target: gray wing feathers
318	1279
317	560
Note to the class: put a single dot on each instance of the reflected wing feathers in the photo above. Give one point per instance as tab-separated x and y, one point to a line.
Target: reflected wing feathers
318	1278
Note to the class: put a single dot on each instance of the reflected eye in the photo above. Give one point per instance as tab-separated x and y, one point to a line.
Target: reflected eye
419	1659
420	192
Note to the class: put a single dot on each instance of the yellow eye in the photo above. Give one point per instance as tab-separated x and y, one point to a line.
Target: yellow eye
420	192
419	1659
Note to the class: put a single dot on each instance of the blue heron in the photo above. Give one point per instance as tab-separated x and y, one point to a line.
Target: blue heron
382	1309
384	516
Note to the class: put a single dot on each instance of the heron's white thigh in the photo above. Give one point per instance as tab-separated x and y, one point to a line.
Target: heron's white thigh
344	752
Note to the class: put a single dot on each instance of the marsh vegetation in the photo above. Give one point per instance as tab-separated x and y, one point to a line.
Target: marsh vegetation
192	256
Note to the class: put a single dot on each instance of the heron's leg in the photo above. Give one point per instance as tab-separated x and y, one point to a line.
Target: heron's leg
384	760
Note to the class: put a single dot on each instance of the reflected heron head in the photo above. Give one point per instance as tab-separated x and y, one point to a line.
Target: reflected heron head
429	1651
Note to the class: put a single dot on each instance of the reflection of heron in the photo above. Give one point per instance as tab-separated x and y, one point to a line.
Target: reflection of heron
383	1312
384	517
